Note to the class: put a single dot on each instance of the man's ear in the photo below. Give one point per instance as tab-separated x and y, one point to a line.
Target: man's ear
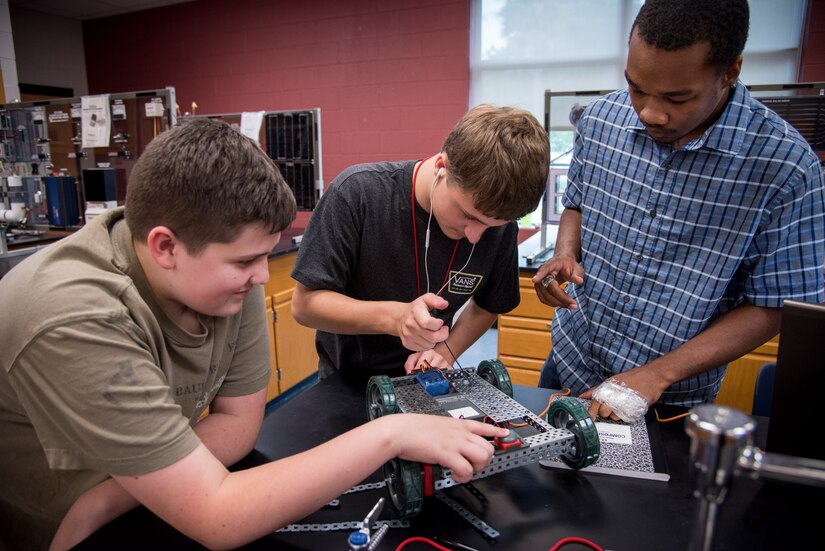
732	72
164	246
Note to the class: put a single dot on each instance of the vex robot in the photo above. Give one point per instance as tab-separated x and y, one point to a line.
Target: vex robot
484	394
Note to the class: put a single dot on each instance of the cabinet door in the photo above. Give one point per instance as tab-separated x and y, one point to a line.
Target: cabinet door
294	344
740	380
524	339
291	345
273	388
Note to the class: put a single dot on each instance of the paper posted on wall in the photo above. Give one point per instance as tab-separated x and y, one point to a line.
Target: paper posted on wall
95	120
251	122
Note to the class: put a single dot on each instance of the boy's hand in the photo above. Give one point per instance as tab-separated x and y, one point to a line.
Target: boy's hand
417	328
432	357
457	444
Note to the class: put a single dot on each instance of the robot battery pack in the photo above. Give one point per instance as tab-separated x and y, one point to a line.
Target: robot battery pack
433	382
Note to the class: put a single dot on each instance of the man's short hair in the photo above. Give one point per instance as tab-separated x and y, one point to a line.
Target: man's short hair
500	156
675	24
206	182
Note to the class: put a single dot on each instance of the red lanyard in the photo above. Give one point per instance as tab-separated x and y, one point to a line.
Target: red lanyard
415	240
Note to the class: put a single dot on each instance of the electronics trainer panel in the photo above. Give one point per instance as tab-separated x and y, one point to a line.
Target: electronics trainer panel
44	152
292	139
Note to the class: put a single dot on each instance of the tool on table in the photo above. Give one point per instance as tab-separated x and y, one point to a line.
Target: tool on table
362	539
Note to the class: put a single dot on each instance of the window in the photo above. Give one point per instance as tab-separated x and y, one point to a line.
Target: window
521	48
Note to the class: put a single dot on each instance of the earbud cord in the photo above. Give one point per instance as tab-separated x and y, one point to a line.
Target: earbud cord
447	277
427	233
415	240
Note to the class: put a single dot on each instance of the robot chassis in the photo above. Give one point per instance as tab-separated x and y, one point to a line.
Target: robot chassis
485	394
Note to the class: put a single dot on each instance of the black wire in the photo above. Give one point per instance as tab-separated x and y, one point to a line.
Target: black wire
453	355
561	155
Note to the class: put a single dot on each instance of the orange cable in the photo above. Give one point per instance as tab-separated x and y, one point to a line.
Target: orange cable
565	392
667	420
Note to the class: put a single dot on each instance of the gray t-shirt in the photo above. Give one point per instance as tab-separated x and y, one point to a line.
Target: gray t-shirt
359	242
95	380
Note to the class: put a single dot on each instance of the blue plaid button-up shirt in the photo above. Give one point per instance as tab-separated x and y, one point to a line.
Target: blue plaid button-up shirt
672	239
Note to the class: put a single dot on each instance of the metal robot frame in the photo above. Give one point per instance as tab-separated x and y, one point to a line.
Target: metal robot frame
485	394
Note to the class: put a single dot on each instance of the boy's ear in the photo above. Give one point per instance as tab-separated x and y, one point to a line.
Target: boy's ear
164	246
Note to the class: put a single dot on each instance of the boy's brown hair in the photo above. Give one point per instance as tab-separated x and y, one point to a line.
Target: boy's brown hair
501	157
206	181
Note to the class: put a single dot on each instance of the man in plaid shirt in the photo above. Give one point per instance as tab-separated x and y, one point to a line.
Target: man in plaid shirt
692	212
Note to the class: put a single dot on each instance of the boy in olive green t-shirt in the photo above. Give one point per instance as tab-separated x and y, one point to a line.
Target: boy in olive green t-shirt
123	333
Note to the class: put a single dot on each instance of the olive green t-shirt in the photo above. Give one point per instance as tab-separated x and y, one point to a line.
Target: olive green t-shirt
95	380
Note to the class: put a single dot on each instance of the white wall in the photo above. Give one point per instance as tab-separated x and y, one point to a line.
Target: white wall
49	50
7	59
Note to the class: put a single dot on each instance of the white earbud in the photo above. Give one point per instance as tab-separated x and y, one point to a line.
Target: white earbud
438	176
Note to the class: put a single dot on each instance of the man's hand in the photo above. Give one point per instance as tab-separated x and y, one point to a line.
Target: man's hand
644	381
417	328
551	275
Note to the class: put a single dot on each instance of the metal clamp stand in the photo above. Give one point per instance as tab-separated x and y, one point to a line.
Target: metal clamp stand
721	446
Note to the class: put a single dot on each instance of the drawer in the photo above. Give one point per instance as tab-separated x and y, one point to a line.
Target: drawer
524	377
523	343
520	322
521	363
530	305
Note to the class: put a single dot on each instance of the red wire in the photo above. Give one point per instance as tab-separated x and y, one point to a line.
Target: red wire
415	238
564	541
559	544
422	540
449	267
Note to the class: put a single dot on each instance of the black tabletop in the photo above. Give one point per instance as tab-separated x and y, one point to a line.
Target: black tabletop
532	507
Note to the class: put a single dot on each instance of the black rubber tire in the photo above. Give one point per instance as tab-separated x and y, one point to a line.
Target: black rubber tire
380	397
494	372
404	486
570	414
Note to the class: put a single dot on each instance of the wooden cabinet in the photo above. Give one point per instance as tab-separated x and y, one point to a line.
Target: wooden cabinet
292	352
524	341
740	379
524	336
273	388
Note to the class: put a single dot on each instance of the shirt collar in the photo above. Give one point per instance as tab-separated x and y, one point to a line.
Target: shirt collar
727	133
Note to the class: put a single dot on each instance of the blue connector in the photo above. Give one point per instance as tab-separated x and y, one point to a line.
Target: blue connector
433	382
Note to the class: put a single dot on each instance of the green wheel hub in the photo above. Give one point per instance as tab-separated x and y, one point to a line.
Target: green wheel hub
405	487
380	397
494	372
570	414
